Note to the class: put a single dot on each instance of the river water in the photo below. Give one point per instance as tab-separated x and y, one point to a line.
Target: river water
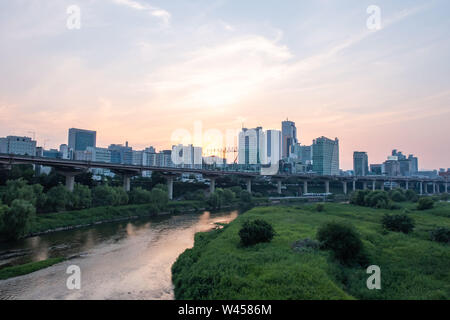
128	260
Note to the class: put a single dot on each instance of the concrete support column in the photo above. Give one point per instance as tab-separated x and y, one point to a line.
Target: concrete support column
249	185
407	185
305	187
382	185
373	185
354	185
434	187
126	182
327	186
364	185
170	187
70	182
212	185
279	186
446	187
390	185
421	187
425	188
344	186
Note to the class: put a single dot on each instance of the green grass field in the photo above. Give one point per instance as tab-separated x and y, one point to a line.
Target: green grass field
412	266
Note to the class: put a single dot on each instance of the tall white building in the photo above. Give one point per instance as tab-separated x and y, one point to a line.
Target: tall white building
187	156
271	147
251	142
18	145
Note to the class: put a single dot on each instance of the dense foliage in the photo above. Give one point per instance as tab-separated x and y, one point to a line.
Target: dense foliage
343	240
381	199
256	231
398	222
425	203
441	234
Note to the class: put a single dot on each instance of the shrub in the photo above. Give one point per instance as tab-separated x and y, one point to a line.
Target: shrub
81	197
397	195
159	197
320	207
376	199
425	203
228	196
256	231
343	240
18	218
215	200
398	222
358	197
411	195
246	197
58	198
440	234
140	196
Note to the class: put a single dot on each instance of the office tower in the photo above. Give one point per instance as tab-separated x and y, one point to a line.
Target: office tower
121	154
164	159
97	154
376	169
360	163
65	152
414	164
52	153
250	145
187	156
289	137
271	147
18	145
80	139
392	167
137	158
326	156
306	154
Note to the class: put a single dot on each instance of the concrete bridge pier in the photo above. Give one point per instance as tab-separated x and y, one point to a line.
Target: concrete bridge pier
364	185
421	187
382	185
279	186
127	182
425	188
170	186
249	185
407	185
373	185
70	178
327	186
305	187
446	187
212	184
344	186
354	185
434	187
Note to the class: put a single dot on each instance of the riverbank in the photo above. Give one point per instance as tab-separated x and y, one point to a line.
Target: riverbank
23	269
412	266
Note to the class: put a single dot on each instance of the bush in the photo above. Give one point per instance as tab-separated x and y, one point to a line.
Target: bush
215	200
425	203
105	195
81	197
18	219
159	197
411	195
228	196
358	197
398	222
343	240
140	196
256	231
376	199
440	234
320	207
58	198
397	195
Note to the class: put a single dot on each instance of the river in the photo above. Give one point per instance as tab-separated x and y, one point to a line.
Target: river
128	260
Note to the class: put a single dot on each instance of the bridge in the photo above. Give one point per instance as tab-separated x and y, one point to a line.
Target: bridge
70	168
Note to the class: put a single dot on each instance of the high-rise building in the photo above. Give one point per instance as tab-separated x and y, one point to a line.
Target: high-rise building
98	154
306	154
121	154
360	163
376	169
289	137
326	156
392	167
271	147
18	145
187	156
80	139
250	145
414	167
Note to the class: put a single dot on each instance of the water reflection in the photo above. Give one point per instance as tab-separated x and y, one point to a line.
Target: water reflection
128	260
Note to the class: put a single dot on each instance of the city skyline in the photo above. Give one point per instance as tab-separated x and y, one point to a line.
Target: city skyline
226	64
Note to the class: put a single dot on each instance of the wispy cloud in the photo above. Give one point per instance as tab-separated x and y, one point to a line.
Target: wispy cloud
154	11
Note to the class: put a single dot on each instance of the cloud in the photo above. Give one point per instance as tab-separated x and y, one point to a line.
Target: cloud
154	11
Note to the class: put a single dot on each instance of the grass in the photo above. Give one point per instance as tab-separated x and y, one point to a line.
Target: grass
412	266
15	271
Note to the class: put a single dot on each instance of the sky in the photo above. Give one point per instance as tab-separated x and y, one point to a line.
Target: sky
155	73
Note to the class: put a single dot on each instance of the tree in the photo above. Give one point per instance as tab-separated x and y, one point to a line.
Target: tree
257	231
18	189
140	196
18	218
343	240
3	210
159	198
425	203
81	197
103	195
214	200
411	195
246	197
398	222
58	198
121	196
228	195
397	195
